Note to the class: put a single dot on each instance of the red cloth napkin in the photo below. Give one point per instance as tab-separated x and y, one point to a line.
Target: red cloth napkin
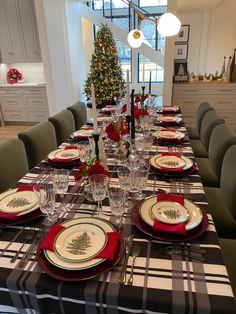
171	228
48	240
108	252
70	147
168	139
25	188
110	249
171	154
171	197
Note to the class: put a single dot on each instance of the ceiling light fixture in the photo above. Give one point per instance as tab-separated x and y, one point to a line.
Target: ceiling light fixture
167	25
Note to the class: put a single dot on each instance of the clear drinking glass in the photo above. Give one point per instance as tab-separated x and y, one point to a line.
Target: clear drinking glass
126	183
60	178
98	184
117	202
140	180
83	150
46	198
147	144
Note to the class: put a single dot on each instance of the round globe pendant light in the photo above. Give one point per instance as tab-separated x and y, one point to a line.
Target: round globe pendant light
135	38
168	24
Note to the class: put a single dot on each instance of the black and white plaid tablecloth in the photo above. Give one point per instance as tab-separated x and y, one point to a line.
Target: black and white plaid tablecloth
162	284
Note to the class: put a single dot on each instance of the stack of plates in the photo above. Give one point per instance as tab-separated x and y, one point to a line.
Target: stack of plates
169	120
83	134
24	203
168	109
64	157
170	213
171	162
76	248
166	136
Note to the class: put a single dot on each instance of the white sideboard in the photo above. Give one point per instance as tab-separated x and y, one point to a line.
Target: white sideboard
24	104
220	96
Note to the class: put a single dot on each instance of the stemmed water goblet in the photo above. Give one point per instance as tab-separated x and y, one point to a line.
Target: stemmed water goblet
117	200
140	180
98	184
125	176
83	150
46	199
60	178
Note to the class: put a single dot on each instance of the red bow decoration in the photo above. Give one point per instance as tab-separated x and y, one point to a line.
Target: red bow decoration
13	76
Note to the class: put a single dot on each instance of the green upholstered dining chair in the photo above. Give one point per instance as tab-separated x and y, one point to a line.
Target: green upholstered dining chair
222	201
39	140
64	125
79	111
221	139
13	162
228	247
209	121
194	133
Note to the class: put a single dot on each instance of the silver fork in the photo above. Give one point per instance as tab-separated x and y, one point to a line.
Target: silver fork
135	251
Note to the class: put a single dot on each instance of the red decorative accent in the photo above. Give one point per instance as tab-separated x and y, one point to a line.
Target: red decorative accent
13	76
115	130
89	169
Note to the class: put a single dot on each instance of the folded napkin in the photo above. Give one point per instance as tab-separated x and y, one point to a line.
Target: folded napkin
171	154
25	188
168	139
171	228
108	252
70	147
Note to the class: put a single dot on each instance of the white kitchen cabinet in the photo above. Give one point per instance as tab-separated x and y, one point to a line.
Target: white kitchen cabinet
222	97
24	104
18	32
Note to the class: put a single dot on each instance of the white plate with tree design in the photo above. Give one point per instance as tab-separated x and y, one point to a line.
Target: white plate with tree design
13	201
169	212
166	134
170	161
64	154
80	242
61	263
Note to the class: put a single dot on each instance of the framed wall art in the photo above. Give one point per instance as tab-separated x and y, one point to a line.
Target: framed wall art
183	35
181	52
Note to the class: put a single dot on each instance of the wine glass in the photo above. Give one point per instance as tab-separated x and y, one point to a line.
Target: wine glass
98	184
117	200
46	198
147	144
60	178
126	182
140	180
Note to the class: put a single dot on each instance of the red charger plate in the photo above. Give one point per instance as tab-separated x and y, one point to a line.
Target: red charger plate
80	275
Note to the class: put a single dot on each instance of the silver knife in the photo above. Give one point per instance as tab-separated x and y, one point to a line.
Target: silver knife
128	246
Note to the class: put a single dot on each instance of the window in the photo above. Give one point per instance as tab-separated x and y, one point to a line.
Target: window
157	72
152	3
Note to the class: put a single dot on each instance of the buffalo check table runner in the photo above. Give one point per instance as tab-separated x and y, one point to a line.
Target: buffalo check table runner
162	283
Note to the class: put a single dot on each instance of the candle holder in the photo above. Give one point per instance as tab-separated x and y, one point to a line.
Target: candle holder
128	119
132	115
96	139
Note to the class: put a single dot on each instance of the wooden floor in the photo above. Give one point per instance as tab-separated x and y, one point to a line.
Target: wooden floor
9	131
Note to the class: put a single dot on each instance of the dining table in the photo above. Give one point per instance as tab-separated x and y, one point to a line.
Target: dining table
177	283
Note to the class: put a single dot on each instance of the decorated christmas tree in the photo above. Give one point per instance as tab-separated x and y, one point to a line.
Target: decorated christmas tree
105	69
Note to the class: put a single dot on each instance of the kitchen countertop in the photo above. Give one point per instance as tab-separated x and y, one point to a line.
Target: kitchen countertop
32	84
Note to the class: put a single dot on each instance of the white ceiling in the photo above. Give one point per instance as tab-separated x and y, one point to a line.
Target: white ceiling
193	6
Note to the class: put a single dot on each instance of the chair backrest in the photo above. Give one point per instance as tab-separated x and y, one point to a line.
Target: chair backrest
64	125
221	139
203	108
228	180
13	162
79	111
209	121
39	140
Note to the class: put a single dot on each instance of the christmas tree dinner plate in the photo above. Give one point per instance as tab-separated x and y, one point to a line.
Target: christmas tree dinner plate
80	242
64	154
84	133
22	202
169	119
166	134
68	265
170	161
168	109
169	212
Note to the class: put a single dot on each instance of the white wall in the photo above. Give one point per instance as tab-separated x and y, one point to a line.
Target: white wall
212	36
